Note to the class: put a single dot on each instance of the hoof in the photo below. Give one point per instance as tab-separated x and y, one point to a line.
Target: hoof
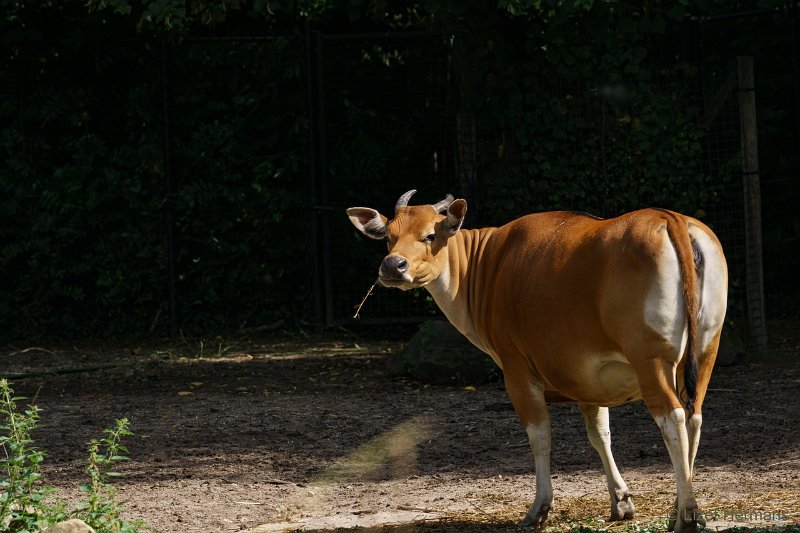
687	521
673	516
535	517
623	509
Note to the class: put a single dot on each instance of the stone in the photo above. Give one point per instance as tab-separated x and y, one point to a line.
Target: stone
439	355
70	526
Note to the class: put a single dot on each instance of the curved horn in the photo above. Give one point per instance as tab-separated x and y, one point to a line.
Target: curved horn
403	201
444	204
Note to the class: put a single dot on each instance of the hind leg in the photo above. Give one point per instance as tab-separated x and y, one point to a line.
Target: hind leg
695	422
705	365
657	378
597	427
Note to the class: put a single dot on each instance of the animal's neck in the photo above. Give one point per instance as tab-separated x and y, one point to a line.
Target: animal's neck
453	291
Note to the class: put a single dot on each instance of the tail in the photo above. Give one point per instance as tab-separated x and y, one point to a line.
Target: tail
689	260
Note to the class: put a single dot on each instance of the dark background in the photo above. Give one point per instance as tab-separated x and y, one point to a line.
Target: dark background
176	166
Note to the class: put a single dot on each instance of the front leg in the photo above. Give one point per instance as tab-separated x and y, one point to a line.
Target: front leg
539	436
528	399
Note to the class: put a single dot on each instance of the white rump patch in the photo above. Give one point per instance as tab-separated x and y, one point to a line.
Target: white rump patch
714	297
665	310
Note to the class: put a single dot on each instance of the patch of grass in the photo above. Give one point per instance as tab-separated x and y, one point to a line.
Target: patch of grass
202	348
27	505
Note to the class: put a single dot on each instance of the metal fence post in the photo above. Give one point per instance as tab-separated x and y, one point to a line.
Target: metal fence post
752	206
318	170
169	192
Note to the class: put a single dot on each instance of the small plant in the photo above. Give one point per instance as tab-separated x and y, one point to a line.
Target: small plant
218	347
26	505
101	510
22	498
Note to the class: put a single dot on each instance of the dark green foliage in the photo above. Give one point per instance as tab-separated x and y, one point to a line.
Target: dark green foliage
81	244
591	109
587	105
82	170
241	209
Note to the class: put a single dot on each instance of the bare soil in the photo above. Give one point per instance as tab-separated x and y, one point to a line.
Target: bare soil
294	433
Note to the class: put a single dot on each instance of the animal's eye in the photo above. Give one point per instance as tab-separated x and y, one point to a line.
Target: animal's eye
430	238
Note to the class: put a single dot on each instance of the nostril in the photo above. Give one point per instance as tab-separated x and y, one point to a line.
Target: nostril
394	264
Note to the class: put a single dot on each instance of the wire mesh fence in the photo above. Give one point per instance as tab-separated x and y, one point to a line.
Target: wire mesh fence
718	91
385	117
386	129
390	129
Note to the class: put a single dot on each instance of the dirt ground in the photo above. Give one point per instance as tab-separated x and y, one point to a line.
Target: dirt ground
308	433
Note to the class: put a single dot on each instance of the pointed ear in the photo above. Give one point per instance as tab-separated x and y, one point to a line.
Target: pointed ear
455	215
368	221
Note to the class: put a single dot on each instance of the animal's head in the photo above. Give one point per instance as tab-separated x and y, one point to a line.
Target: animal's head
417	238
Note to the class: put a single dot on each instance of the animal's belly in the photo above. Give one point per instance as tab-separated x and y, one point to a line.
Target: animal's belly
599	381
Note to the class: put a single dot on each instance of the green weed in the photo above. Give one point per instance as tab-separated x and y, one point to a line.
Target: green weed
27	505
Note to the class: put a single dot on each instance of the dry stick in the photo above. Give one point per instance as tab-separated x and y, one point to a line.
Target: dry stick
275	481
784	462
61	371
155	320
418	509
31	349
36	396
358	309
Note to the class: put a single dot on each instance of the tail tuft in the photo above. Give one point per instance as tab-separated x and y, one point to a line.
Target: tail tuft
690	379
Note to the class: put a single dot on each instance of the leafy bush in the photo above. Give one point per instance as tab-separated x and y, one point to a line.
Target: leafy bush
28	506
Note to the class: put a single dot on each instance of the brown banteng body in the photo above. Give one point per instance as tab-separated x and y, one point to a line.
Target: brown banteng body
575	308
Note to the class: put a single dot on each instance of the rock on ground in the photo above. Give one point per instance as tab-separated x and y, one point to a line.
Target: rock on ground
70	526
438	354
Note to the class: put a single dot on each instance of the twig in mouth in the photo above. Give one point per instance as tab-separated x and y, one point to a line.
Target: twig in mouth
358	308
